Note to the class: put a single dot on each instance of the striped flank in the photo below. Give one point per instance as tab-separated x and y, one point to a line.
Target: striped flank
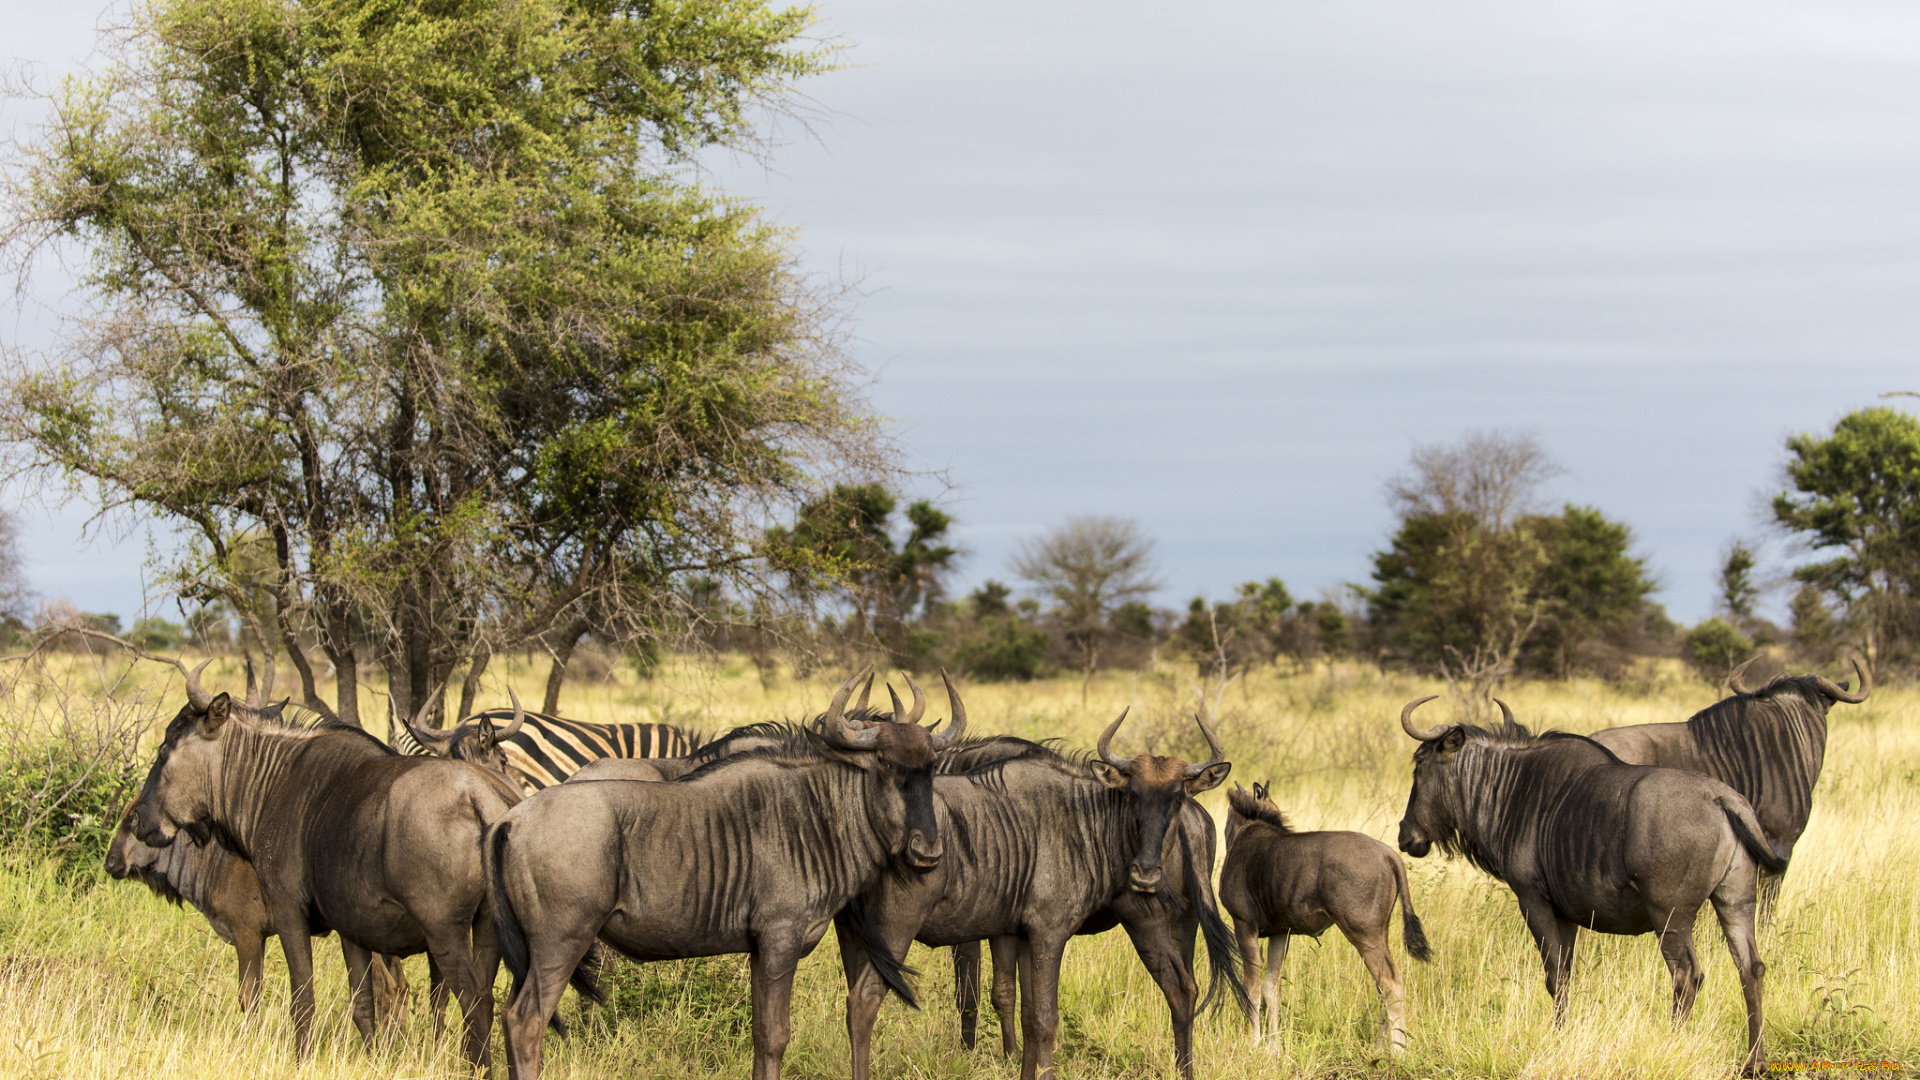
548	749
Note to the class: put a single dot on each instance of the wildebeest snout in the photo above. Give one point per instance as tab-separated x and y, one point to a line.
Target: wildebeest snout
1412	842
1145	880
922	853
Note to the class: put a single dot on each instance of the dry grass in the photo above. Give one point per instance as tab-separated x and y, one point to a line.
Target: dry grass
102	980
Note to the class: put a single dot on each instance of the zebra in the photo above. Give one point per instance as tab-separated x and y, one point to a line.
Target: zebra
536	749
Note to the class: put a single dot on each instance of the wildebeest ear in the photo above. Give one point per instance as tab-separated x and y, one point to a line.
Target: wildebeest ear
1453	740
1108	775
1259	789
219	710
1210	778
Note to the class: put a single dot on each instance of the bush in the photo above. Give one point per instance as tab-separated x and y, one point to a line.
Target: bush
1712	648
63	800
1002	648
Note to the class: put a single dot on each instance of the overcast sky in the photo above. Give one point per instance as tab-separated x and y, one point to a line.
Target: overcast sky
1221	267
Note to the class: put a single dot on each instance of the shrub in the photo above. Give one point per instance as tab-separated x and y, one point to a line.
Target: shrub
1712	648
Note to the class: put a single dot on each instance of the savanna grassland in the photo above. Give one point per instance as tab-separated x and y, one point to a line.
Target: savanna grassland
100	979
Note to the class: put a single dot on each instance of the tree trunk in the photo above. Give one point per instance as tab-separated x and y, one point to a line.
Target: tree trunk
346	667
470	686
562	652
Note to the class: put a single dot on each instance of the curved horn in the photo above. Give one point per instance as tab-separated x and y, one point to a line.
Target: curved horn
899	710
1106	738
1836	692
836	718
1505	713
957	726
1213	743
428	736
919	700
519	717
838	706
861	704
197	695
1406	721
1734	681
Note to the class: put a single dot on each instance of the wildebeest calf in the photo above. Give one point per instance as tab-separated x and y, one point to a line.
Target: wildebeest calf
1277	883
223	887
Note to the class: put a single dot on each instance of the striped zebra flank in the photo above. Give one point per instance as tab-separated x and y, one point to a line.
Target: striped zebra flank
548	749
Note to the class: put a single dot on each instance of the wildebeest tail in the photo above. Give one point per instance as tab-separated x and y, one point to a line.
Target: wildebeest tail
506	926
1752	836
892	972
1410	928
1223	949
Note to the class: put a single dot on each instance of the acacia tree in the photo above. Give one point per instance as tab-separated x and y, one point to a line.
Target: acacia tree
413	293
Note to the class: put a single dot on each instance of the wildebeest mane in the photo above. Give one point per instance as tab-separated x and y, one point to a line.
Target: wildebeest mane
1502	767
799	745
1783	723
1244	804
784	730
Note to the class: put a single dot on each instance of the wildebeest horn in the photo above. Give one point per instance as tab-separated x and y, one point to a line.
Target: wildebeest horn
519	716
1213	743
197	695
1505	713
957	726
1406	721
838	706
426	735
1734	681
899	708
836	718
865	691
919	700
1839	693
1106	739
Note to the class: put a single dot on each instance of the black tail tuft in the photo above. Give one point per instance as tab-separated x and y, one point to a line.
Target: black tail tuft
1223	949
586	974
1750	837
506	927
891	971
1415	934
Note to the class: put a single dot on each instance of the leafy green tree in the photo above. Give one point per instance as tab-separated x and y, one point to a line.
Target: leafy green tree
417	292
1856	493
1714	647
1591	590
847	540
1737	590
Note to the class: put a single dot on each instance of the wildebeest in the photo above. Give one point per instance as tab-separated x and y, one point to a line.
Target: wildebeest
1767	744
1041	847
223	887
540	750
1277	882
345	836
1584	839
754	853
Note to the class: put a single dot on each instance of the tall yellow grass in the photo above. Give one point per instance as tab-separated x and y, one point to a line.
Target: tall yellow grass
107	981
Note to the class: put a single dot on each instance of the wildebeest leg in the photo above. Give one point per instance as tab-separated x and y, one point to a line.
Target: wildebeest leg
455	953
1676	946
1372	948
1039	967
486	968
1162	959
360	989
252	951
297	946
1249	938
551	959
1736	923
437	998
389	994
1555	937
1269	988
772	973
1006	991
866	991
966	988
